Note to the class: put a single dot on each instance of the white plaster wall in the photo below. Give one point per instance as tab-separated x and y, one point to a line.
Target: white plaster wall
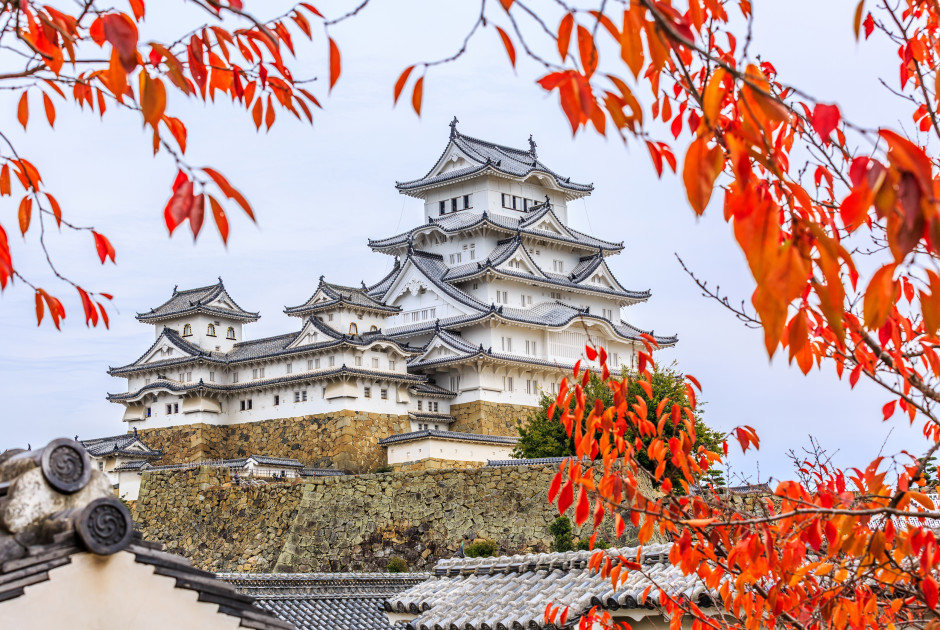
128	485
110	593
487	192
445	449
200	325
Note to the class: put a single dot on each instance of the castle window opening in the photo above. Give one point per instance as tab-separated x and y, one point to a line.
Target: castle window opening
210	330
187	330
230	333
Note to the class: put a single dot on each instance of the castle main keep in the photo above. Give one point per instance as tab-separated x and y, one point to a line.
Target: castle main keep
491	300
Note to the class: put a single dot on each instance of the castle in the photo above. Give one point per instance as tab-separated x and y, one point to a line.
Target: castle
491	300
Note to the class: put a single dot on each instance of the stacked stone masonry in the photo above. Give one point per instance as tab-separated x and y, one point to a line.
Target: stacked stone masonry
202	515
347	440
489	418
350	523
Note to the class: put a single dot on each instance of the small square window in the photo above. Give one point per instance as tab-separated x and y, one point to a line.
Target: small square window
383	394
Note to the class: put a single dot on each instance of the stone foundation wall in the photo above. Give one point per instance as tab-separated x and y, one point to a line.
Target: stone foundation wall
489	418
220	527
348	440
358	524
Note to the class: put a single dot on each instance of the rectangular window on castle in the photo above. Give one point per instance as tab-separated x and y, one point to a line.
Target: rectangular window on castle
277	400
432	406
332	361
453	205
507	201
419	405
148	412
608	313
234	377
391	365
507	383
290	368
358	361
507	344
442	208
466	201
558	266
254	373
367	392
383	394
249	403
473	254
309	364
316	363
176	407
297	397
242	405
212	377
375	362
454	383
303	395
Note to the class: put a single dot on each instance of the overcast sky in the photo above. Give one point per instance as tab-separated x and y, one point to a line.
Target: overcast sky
321	192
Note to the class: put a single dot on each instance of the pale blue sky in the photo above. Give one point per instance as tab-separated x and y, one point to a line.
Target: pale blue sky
321	192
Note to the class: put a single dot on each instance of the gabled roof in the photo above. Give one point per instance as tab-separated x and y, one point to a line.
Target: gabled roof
203	388
330	295
210	300
482	156
125	444
548	314
264	348
513	591
526	225
426	416
455	436
430	389
325	601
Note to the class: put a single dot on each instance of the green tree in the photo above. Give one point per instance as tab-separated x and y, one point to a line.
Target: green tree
542	436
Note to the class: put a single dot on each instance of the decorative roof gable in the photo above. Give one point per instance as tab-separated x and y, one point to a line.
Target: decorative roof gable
210	300
328	296
466	157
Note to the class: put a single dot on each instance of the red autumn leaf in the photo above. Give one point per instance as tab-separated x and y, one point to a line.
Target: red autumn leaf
229	191
25	213
335	64
121	32
929	588
103	246
196	214
564	34
50	109
825	119
583	510
22	110
702	167
507	43
554	487
587	51
402	80
417	95
221	221
880	296
40	308
180	203
566	497
590	352
888	410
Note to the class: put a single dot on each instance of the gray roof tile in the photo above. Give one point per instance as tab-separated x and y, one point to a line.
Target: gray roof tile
325	601
197	301
513	591
501	159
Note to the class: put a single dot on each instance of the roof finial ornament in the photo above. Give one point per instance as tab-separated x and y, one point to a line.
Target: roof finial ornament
220	279
453	128
321	278
532	146
548	201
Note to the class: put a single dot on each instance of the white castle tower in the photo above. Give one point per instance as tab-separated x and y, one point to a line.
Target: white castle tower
491	300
